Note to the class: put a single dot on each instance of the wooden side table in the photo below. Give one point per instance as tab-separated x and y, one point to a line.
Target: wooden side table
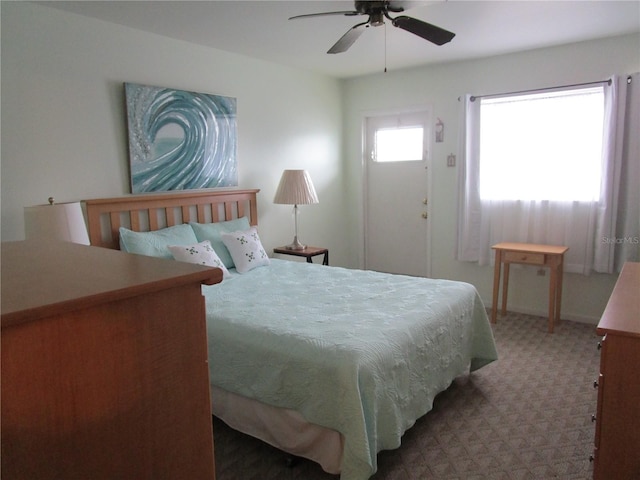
551	256
307	252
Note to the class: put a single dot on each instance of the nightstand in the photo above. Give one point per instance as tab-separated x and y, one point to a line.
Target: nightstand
307	252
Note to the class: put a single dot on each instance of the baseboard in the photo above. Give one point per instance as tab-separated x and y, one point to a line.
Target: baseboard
565	316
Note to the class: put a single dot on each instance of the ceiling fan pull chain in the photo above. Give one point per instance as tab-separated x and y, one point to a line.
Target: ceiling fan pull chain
385	47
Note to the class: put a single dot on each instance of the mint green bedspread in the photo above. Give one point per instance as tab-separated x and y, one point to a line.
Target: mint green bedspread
360	352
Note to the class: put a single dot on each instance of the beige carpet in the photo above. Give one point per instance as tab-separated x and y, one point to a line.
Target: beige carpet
526	416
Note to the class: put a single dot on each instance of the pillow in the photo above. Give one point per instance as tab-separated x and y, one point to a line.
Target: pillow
156	243
246	249
213	232
201	254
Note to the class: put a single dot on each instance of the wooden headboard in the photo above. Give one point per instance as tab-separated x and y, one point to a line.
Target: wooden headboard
144	213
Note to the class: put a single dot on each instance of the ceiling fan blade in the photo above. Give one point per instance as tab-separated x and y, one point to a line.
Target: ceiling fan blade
348	13
348	38
434	34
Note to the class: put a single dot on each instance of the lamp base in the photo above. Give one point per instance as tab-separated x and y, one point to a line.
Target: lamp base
295	245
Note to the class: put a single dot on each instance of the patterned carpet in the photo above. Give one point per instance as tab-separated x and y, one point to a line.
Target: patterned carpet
526	416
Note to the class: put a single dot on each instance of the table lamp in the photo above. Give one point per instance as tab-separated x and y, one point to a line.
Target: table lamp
295	188
56	221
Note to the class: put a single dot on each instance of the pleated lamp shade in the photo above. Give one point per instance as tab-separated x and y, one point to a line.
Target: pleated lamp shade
60	221
295	188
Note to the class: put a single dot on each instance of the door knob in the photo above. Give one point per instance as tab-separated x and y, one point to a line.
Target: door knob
424	215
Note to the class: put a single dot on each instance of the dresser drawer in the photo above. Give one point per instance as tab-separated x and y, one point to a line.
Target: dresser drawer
524	257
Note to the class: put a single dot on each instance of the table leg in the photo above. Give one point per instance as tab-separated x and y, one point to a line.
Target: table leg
496	285
325	261
552	295
505	288
559	287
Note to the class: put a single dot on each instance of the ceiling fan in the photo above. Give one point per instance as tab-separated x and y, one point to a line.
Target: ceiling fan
377	11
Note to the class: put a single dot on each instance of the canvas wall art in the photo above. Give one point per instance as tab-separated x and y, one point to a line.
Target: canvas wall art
180	140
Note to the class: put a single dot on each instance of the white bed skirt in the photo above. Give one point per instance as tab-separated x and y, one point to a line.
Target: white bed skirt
282	428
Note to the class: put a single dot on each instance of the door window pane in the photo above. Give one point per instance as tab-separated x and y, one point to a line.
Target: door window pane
399	144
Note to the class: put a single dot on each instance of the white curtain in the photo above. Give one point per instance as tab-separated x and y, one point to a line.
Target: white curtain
627	238
469	206
589	229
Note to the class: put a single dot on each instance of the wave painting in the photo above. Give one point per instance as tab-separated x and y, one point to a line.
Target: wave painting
180	140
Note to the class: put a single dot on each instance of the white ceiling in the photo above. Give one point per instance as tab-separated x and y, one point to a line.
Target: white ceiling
261	28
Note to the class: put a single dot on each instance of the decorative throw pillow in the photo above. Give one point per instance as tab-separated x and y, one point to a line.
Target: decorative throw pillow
213	232
201	254
156	243
246	249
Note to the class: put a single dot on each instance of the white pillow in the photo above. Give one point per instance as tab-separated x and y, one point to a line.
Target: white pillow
201	254
213	232
245	249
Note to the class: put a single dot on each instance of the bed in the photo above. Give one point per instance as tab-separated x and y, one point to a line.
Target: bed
327	363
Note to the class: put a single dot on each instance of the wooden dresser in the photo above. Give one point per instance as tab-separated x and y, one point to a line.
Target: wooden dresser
104	365
617	437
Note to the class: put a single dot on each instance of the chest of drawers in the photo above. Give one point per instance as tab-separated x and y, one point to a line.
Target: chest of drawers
104	365
617	436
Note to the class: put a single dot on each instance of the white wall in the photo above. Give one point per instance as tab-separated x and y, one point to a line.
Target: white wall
64	124
440	86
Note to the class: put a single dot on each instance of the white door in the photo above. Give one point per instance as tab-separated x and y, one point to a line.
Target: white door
397	193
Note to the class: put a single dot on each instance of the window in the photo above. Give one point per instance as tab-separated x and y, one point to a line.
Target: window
397	137
543	167
542	146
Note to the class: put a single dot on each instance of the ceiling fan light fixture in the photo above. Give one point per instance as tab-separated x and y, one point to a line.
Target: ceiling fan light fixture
376	19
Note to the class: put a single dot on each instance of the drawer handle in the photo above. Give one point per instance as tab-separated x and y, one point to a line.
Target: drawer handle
593	418
599	347
591	458
595	384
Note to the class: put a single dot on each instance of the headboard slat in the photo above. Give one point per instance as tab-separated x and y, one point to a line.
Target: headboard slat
171	217
186	214
240	209
153	219
134	218
215	216
154	211
201	217
114	220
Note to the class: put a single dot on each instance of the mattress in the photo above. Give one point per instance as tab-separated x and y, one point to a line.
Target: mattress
358	352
